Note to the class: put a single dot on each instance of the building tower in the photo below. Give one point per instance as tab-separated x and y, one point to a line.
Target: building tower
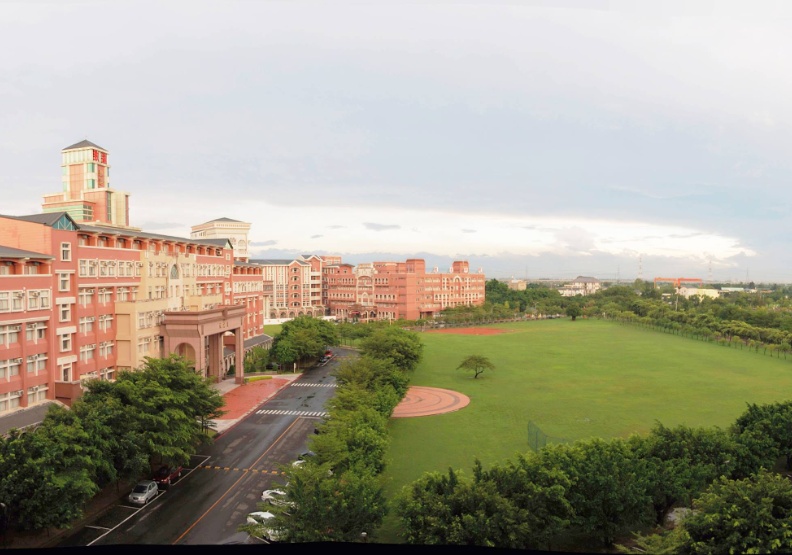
226	228
87	195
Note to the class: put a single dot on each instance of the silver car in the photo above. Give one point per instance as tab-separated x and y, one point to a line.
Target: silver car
143	492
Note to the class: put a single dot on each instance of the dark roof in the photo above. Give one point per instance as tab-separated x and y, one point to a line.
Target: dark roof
84	144
586	279
109	230
25	418
218	242
45	218
10	252
244	264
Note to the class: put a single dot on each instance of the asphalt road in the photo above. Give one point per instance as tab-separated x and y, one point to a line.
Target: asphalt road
223	482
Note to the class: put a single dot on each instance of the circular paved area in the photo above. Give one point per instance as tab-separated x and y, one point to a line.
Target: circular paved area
426	401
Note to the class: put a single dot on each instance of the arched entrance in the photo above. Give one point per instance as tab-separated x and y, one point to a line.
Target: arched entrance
199	335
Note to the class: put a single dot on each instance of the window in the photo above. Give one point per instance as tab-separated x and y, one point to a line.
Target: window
10	367
105	295
103	268
10	401
36	363
92	264
65	312
107	374
105	322
86	324
65	342
65	251
36	332
106	349
87	352
84	296
122	294
66	372
64	282
10	334
31	268
83	269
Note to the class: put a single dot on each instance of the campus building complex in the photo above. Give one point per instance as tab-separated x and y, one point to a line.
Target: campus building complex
83	294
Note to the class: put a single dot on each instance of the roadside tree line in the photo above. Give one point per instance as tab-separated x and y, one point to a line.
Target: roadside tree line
337	494
114	432
600	490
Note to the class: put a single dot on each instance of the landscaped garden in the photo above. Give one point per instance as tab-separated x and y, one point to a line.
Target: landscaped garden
573	380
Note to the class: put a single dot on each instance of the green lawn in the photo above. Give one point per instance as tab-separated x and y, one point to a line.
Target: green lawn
575	380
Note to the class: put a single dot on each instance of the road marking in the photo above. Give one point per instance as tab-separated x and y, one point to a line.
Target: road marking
231	487
292	412
305	384
254	470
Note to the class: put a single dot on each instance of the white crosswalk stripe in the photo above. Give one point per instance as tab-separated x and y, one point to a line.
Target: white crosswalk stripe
303	384
292	412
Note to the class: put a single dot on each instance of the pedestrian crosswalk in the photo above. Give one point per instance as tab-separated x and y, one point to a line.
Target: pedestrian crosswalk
292	412
305	384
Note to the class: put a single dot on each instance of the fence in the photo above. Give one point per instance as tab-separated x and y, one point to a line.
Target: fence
538	439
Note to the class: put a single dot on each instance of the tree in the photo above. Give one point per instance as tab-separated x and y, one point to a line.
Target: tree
47	474
518	506
402	347
753	515
608	490
774	421
573	311
476	364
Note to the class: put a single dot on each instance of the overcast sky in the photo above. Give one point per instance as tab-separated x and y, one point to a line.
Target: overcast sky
534	138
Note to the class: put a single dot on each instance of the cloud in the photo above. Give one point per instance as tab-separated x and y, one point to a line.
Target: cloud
336	227
263	243
380	227
468	231
316	236
154	226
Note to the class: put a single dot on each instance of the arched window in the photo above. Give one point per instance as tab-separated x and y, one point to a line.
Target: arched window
174	273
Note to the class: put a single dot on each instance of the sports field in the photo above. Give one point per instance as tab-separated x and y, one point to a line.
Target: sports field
575	380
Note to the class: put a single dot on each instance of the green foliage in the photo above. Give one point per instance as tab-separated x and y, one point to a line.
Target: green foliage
608	490
400	346
303	338
476	364
519	505
47	475
753	515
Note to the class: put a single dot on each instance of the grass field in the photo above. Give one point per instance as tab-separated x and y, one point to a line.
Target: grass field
575	380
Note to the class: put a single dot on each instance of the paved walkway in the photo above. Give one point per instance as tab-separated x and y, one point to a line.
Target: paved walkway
241	400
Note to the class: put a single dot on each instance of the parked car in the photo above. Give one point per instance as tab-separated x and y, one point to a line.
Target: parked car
261	519
275	497
167	475
143	492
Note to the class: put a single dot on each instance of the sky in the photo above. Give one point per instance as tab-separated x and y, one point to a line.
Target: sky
534	138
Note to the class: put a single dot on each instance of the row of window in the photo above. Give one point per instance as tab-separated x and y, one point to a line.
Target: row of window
109	268
12	400
32	299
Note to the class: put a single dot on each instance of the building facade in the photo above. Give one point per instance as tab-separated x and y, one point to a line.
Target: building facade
399	290
84	295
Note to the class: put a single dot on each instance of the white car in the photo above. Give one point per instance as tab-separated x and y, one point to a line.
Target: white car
274	496
261	519
143	492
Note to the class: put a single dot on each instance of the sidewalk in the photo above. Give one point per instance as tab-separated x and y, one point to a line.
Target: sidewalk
240	401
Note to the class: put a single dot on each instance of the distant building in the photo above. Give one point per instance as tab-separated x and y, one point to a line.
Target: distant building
517	284
399	290
581	285
688	292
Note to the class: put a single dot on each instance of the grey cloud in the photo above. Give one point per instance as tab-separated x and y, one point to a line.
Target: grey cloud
380	227
316	236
